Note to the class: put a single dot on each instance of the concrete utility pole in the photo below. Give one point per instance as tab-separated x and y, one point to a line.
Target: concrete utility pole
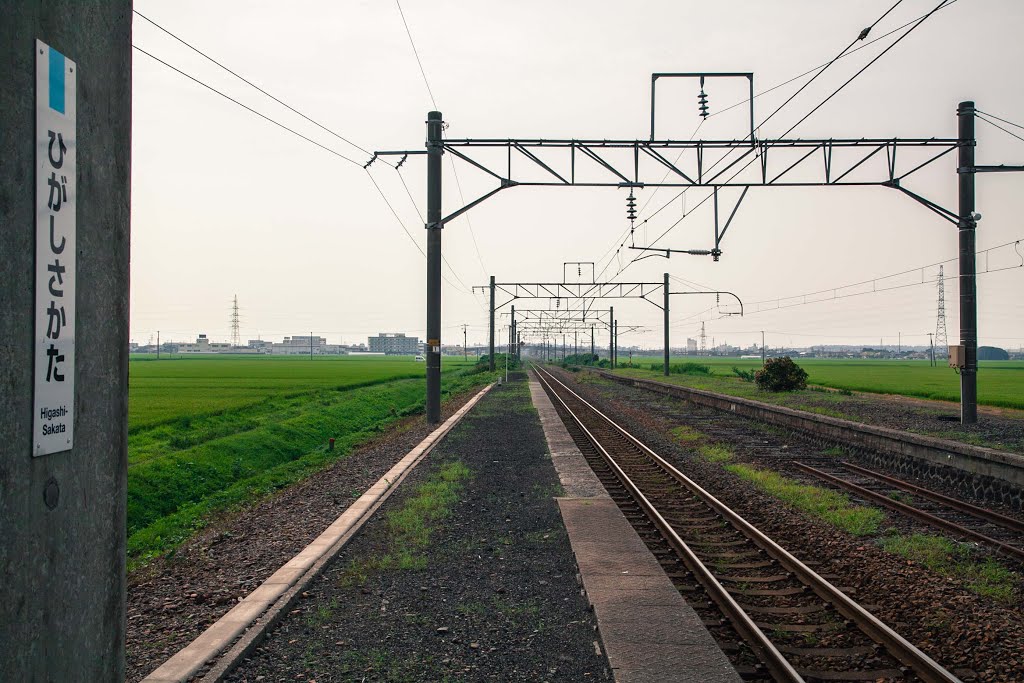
615	343
591	343
665	311
611	337
434	227
62	495
492	327
465	347
931	345
967	227
157	344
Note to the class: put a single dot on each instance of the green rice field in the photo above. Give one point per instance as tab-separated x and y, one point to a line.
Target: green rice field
165	390
1000	383
209	433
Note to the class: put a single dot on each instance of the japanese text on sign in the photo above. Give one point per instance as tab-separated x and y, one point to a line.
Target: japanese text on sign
56	202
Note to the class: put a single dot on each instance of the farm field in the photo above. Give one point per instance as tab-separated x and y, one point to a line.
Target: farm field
165	390
210	433
1000	383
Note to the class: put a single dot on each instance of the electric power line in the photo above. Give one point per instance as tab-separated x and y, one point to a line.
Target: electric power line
250	83
913	26
248	108
993	116
417	54
993	123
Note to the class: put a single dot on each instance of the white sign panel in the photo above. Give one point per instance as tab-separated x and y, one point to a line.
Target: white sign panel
56	200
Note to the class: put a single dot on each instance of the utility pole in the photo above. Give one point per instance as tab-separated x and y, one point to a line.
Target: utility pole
591	343
158	344
492	326
967	226
763	357
465	347
434	226
576	345
931	343
611	337
311	345
512	330
615	343
665	311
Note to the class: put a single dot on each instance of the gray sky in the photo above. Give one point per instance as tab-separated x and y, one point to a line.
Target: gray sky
225	203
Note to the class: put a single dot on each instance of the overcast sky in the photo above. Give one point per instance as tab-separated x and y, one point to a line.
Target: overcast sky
225	203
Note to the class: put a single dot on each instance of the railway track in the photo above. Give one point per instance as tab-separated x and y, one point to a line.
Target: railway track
1005	535
782	620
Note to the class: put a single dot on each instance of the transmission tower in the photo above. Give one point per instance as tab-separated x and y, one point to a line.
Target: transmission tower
940	321
703	341
236	340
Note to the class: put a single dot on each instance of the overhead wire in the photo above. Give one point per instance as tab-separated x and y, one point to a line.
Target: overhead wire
311	141
996	125
913	25
248	108
417	54
993	116
250	83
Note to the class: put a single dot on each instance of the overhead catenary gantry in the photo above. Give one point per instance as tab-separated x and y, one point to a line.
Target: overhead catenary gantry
761	162
648	291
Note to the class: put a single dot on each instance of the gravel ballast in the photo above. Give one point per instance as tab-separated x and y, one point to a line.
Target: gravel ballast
490	594
977	637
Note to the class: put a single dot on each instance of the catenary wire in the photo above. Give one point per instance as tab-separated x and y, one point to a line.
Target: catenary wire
416	53
250	83
915	24
996	125
993	116
247	107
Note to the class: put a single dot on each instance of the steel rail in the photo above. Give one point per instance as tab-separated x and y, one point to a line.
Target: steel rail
990	516
774	661
897	646
911	511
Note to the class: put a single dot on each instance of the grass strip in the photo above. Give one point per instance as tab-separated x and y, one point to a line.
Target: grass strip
986	577
171	497
830	506
409	527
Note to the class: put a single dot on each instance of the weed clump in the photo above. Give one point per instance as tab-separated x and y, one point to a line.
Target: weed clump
683	368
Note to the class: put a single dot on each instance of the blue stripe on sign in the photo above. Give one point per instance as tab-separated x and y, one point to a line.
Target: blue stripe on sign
56	81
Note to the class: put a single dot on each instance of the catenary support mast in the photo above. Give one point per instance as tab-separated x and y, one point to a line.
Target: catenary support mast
967	228
434	227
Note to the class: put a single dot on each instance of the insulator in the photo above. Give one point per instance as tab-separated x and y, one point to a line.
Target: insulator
702	101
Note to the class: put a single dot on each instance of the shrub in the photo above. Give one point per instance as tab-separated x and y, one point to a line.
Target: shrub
781	374
683	368
745	375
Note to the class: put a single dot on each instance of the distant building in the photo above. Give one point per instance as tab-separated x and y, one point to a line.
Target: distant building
203	345
691	345
300	345
394	343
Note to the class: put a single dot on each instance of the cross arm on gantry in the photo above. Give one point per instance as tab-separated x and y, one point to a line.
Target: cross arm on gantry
759	162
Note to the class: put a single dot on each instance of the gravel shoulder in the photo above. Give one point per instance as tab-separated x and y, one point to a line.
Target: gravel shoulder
174	599
484	590
977	637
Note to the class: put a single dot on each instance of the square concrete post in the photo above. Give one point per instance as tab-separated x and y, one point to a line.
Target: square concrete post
62	515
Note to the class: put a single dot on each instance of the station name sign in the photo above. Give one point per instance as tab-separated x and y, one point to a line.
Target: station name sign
55	272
